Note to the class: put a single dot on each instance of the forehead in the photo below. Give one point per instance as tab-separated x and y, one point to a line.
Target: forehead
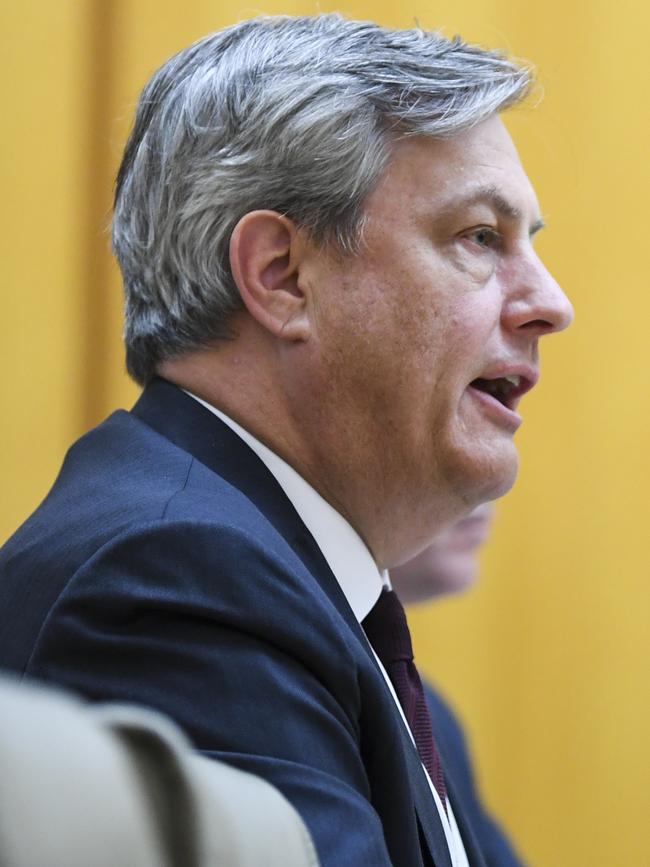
477	168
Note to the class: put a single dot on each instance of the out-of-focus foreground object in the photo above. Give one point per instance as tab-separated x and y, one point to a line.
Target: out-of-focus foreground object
112	785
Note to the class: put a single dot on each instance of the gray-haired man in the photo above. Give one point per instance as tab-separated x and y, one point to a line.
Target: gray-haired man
334	305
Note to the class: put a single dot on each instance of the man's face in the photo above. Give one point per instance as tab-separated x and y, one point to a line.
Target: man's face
428	337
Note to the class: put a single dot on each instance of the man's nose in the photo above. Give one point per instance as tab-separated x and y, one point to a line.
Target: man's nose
535	301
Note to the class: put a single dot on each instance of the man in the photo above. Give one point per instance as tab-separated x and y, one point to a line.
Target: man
450	565
334	305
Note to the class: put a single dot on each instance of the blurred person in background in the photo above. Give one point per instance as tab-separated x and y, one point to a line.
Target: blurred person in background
334	308
451	565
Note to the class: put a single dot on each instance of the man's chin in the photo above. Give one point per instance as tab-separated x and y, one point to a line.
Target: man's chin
488	475
505	477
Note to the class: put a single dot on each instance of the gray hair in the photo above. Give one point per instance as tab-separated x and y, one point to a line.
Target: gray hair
295	115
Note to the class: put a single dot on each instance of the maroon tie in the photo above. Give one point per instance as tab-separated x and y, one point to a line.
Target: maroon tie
388	632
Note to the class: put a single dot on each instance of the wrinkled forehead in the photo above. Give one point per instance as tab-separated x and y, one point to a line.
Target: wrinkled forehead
478	167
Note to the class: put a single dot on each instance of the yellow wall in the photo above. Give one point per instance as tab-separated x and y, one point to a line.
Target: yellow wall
549	659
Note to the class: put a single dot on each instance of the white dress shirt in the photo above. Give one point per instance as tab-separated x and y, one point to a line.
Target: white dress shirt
353	567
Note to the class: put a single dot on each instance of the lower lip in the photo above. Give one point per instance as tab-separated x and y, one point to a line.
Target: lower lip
495	410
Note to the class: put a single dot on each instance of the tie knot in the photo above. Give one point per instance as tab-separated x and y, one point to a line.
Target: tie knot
387	629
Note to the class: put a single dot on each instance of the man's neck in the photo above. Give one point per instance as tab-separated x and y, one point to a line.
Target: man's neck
243	388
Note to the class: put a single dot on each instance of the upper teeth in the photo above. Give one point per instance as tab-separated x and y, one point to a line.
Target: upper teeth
513	380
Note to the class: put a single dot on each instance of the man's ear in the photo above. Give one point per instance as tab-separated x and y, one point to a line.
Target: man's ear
264	259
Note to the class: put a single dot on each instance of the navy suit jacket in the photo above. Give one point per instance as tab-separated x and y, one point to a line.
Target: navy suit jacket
167	567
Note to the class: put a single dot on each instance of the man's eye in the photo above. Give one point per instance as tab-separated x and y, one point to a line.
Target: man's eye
484	236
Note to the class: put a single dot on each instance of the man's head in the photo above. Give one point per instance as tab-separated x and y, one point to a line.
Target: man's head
344	203
295	115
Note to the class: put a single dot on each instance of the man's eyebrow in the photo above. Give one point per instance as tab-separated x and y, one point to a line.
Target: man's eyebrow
490	195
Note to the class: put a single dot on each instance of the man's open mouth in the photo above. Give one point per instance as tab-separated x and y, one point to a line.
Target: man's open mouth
506	389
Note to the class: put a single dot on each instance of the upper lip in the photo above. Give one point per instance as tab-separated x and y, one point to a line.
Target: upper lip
528	378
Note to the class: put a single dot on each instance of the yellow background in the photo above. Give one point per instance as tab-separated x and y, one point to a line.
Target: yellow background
549	659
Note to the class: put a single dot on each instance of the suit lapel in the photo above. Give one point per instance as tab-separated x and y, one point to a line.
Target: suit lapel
189	425
472	849
427	814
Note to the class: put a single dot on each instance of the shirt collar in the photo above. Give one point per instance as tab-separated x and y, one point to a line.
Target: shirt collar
345	552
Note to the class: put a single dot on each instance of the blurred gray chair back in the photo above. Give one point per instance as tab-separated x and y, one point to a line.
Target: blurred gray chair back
118	786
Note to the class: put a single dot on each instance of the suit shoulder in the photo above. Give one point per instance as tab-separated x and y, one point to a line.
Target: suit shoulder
124	490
